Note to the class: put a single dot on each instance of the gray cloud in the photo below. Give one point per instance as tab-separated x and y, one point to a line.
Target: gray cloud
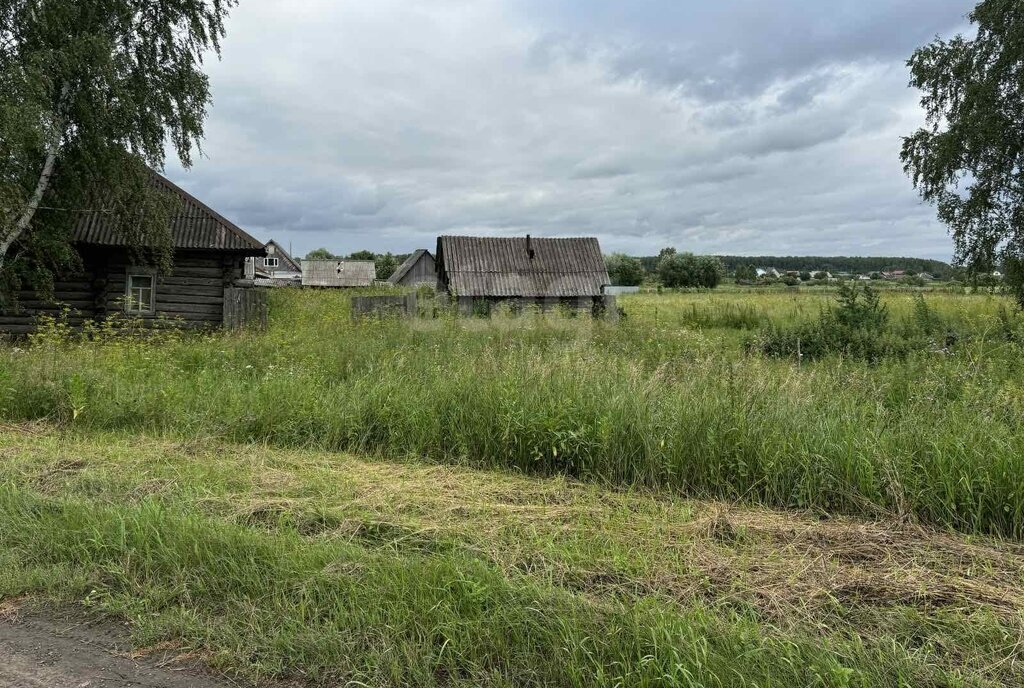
724	127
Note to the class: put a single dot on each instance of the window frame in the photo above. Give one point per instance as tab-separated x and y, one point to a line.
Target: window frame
268	264
130	274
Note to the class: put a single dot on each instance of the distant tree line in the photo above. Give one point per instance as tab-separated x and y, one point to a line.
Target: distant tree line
833	264
673	269
385	263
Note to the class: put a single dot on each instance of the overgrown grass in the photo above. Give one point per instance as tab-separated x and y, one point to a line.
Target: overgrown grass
330	570
666	398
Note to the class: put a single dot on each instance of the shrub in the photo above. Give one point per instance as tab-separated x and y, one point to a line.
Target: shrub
858	327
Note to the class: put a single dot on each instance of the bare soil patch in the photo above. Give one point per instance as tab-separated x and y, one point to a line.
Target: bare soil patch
58	649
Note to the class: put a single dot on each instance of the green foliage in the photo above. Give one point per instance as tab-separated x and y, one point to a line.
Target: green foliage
966	160
363	255
96	90
857	327
386	265
687	270
624	270
320	254
746	273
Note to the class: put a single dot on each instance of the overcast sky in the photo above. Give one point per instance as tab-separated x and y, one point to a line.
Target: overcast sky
738	126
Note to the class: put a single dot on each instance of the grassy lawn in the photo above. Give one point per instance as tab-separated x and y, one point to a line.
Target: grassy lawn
330	568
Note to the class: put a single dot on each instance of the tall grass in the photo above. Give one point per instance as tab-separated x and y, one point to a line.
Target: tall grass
664	398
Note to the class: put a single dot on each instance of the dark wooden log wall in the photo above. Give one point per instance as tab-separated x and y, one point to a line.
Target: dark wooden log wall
192	295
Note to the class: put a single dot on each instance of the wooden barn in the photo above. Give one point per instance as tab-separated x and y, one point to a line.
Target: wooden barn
418	269
204	289
338	273
479	272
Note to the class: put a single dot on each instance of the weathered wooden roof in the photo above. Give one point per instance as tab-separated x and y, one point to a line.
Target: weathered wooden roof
504	267
408	265
338	273
195	226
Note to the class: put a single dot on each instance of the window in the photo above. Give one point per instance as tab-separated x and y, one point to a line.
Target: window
139	293
271	262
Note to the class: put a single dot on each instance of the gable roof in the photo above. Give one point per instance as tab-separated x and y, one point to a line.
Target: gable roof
195	226
408	265
338	273
504	266
284	256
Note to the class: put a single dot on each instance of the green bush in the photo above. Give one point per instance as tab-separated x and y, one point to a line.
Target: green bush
857	327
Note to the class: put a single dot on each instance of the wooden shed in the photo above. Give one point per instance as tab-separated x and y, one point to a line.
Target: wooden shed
338	273
479	272
209	262
418	269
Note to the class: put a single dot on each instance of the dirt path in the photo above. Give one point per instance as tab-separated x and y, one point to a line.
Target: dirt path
54	650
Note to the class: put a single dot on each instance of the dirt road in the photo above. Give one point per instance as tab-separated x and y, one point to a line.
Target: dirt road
55	650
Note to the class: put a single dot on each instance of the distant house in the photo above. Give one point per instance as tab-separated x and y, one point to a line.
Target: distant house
418	269
481	271
338	273
894	274
927	277
210	253
277	268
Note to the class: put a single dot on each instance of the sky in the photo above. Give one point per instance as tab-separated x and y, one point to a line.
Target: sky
743	127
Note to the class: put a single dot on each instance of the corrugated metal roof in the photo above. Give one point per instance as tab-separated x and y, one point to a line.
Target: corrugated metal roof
405	267
338	273
195	226
503	267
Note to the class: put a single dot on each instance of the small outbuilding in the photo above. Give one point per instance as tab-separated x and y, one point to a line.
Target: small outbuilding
479	272
205	287
338	273
418	269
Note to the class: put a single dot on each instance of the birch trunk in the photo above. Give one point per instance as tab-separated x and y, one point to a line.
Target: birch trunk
42	185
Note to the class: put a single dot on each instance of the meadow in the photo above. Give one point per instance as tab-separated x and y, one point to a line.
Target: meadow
535	499
670	397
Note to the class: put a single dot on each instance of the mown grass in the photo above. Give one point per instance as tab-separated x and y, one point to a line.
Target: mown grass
334	570
651	401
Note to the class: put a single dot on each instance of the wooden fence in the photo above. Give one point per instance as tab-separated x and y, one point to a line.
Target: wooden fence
384	305
245	307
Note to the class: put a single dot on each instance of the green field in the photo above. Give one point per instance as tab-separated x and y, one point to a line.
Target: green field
537	499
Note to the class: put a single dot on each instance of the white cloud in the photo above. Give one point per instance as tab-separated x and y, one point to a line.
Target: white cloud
380	124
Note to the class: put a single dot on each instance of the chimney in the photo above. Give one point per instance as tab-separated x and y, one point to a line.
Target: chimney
529	247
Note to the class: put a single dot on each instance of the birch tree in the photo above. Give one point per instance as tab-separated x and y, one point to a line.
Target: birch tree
969	159
92	94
